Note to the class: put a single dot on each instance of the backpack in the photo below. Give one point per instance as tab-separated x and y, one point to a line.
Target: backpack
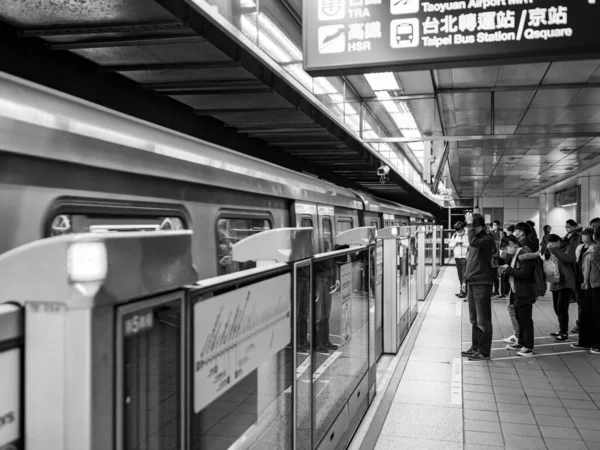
539	279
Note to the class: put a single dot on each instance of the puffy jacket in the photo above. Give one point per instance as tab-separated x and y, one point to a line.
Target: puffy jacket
573	238
460	244
478	269
589	269
566	259
534	241
523	276
594	276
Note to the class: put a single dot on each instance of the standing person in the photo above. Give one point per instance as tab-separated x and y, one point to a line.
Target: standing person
478	278
573	237
510	230
584	256
495	228
564	255
595	295
523	234
504	285
495	255
595	223
533	237
460	244
544	243
522	293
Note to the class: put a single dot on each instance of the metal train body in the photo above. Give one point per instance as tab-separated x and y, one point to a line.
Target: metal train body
67	165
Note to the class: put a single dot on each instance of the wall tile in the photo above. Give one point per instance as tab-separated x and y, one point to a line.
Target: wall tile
511	202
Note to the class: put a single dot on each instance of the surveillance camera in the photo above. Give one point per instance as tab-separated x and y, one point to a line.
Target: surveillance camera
383	170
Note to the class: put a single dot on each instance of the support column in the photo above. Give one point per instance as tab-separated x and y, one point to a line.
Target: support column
584	201
543	206
594	197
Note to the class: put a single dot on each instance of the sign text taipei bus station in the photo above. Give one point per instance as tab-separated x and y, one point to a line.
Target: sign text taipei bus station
352	36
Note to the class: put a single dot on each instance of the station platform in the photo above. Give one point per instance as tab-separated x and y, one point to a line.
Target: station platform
431	398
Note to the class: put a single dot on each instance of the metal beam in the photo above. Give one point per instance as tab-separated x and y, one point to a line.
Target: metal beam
263	90
203	85
530	87
301	128
406	97
170	66
307	144
127	42
488	137
211	112
100	29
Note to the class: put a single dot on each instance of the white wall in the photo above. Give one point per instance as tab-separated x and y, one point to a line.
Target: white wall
555	217
516	209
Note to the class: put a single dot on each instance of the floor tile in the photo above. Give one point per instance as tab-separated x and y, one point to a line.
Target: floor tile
554	421
519	429
579	404
482	426
510	417
479	396
480	405
524	442
588	424
513	407
545	401
560	433
478	388
541	393
549	410
423	393
584	413
517	399
476	437
388	442
565	444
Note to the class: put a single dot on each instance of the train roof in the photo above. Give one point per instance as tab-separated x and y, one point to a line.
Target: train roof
33	116
376	204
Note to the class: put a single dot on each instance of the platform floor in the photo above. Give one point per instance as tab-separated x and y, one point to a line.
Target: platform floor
431	398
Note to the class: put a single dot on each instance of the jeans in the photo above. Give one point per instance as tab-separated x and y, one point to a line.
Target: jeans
460	267
595	318
586	318
495	280
561	300
510	306
323	311
480	316
524	316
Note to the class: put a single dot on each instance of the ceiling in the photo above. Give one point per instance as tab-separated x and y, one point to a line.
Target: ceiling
555	107
166	50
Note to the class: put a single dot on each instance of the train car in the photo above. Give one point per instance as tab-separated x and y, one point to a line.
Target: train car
70	166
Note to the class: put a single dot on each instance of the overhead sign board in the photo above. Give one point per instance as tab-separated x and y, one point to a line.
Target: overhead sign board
349	36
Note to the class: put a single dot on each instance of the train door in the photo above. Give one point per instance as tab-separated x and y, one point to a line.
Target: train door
326	228
306	216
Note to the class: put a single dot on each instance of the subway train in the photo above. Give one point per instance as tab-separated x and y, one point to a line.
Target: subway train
70	166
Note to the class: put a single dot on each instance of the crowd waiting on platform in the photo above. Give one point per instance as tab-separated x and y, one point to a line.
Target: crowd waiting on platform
513	263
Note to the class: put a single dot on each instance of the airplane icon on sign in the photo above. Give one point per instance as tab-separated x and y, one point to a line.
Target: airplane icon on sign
404	6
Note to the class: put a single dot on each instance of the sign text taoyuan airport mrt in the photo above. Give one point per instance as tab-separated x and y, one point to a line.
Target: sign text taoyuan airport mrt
342	36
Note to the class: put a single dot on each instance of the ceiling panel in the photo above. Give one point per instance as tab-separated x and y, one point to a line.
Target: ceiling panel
475	77
553	98
577	114
545	116
522	74
571	71
586	97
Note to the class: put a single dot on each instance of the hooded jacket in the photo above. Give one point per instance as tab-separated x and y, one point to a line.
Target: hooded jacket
523	277
566	258
478	269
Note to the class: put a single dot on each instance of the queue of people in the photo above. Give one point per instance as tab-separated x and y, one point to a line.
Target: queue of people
514	263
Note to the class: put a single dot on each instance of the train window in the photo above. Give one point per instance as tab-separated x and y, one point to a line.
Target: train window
375	223
232	230
344	225
327	236
96	223
306	223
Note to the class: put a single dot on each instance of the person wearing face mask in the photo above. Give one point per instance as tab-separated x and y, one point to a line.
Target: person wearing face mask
583	277
522	294
523	233
510	230
495	229
595	223
478	278
573	238
460	244
564	255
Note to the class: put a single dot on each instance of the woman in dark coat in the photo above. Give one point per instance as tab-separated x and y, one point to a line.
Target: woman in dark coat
564	254
522	293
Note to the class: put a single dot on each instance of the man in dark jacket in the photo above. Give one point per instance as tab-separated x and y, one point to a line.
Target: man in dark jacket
533	236
573	239
478	278
523	234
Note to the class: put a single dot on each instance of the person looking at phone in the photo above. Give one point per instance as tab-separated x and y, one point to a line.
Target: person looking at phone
478	279
460	244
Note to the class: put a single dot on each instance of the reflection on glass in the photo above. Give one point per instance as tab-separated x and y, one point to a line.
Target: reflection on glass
230	231
303	360
338	370
151	378
256	411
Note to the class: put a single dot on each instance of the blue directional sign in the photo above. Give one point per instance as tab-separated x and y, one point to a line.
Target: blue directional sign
351	36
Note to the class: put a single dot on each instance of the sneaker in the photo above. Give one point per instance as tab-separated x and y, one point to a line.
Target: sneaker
595	351
322	349
562	338
578	347
478	357
515	346
496	294
511	339
501	296
525	352
555	334
469	352
330	345
575	330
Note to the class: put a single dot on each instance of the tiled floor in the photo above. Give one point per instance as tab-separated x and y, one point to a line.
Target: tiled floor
550	401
